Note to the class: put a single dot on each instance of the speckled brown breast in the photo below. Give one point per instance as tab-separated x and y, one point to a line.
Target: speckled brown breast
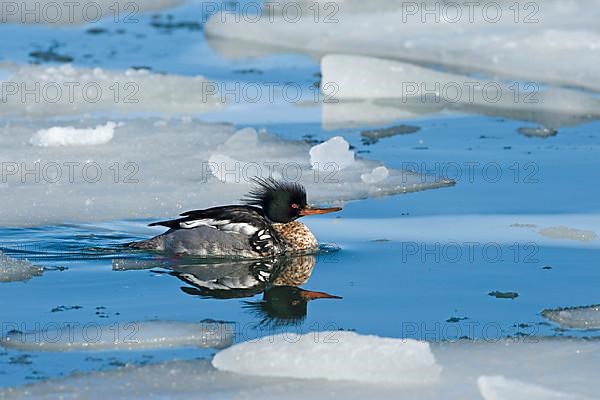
296	271
296	237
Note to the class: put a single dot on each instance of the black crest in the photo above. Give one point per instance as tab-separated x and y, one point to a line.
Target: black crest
281	201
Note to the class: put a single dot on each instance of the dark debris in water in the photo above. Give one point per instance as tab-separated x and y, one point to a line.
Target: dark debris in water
454	320
310	139
50	55
255	71
102	312
36	376
23	359
373	136
167	24
66	308
504	295
96	31
115	362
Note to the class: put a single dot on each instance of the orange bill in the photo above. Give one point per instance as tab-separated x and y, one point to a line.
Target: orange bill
307	295
315	211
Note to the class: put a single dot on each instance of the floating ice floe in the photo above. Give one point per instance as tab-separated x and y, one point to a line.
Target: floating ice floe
489	370
402	90
158	170
57	13
70	136
43	91
333	356
555	43
12	270
575	317
122	336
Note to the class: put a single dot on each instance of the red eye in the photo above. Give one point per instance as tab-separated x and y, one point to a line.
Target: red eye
295	206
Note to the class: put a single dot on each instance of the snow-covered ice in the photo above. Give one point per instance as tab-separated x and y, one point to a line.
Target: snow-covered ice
71	136
158	170
12	270
489	370
556	44
50	91
136	335
333	356
575	317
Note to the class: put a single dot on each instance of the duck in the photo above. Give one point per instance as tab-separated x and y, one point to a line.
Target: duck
264	225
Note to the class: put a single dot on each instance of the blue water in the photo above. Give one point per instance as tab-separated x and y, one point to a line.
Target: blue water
382	290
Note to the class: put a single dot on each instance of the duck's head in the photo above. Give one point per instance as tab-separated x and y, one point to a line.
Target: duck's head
282	202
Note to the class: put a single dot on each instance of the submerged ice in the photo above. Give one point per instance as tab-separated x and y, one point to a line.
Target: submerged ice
136	335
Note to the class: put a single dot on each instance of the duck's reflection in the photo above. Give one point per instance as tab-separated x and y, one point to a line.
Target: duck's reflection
279	279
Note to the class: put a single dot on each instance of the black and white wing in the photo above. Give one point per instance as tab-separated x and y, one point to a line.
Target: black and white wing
245	221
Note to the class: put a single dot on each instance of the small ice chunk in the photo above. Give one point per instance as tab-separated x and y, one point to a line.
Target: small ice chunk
336	151
564	232
377	175
71	136
12	270
575	317
500	388
333	356
123	336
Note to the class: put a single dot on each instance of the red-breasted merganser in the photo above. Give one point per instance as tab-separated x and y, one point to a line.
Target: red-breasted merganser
264	226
